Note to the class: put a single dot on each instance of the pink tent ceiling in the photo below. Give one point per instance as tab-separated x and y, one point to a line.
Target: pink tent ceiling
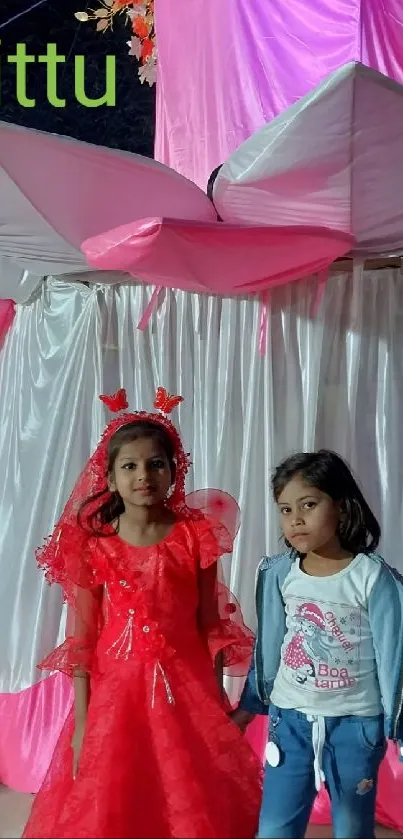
322	178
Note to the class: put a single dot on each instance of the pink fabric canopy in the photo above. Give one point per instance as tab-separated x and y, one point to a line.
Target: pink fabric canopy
306	188
215	258
86	190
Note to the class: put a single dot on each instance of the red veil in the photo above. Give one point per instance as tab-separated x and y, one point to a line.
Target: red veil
66	555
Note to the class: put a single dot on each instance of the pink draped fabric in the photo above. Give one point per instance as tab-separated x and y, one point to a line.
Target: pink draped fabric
227	68
240	64
30	724
381	30
7	312
215	258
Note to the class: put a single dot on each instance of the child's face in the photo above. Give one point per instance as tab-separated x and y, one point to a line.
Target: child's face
309	517
142	474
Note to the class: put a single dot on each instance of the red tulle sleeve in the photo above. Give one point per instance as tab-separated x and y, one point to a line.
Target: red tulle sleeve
69	565
220	615
76	656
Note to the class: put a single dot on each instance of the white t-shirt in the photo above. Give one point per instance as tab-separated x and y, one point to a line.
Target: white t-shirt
328	662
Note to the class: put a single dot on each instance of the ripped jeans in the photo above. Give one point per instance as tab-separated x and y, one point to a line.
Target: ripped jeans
348	758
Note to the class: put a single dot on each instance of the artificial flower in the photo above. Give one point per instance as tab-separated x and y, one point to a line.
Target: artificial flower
148	71
147	49
134	47
140	16
140	27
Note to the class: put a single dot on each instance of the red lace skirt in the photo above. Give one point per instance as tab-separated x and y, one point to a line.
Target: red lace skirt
151	768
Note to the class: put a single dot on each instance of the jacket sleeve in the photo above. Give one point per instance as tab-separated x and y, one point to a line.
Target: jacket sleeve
385	612
250	700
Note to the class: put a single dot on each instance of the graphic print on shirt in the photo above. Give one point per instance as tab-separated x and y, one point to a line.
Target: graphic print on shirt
322	645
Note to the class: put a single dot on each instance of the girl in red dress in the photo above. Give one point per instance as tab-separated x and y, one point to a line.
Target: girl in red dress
148	749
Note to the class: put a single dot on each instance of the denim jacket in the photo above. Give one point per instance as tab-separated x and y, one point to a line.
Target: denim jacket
385	612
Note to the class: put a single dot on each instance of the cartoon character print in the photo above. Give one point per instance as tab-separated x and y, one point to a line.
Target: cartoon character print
308	643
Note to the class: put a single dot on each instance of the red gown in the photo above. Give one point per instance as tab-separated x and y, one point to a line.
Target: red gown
160	756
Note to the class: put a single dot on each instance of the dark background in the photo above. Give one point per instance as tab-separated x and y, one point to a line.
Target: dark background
129	125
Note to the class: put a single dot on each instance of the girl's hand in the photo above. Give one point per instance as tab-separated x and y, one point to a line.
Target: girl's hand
242	719
76	745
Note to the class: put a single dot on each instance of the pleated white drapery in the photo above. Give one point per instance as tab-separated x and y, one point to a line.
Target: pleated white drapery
332	381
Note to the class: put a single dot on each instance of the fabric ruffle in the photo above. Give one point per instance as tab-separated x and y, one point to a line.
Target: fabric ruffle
71	658
77	655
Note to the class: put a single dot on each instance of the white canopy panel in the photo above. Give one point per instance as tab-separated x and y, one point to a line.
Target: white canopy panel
332	159
15	283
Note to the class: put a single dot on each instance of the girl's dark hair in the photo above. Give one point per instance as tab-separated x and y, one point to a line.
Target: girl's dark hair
359	531
112	507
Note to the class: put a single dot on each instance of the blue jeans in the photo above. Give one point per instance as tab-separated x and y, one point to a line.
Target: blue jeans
353	751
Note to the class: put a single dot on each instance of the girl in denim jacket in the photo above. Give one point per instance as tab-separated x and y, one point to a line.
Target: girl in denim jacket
328	662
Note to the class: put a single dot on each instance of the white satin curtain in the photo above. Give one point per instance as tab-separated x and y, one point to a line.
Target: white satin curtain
334	381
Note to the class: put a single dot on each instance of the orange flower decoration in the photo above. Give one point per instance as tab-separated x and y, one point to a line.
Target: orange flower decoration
147	49
140	17
140	27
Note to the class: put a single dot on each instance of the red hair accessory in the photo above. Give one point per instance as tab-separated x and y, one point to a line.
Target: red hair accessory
165	402
117	402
